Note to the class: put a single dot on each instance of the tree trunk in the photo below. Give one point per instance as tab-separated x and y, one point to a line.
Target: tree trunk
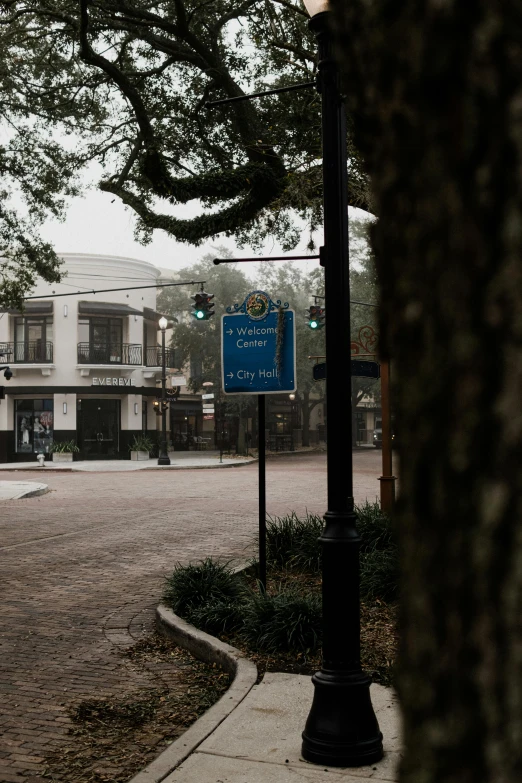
436	95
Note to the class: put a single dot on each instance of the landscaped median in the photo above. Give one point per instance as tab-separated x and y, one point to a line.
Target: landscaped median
219	615
281	629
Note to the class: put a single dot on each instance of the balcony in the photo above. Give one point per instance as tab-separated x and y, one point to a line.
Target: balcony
153	357
109	353
32	352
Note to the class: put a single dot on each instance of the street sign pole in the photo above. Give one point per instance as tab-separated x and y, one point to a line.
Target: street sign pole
258	357
261	448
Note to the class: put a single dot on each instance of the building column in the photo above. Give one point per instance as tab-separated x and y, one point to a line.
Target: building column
64	418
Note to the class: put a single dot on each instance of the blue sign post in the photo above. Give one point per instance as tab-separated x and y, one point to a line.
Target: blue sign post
258	356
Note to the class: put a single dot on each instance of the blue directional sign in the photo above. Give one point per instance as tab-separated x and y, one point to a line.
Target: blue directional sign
249	354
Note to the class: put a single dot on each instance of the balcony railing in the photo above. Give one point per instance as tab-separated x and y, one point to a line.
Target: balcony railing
109	353
32	352
153	357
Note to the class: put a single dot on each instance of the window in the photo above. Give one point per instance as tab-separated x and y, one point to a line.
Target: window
33	339
33	426
100	340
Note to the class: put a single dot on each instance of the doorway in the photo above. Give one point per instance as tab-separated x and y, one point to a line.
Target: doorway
99	428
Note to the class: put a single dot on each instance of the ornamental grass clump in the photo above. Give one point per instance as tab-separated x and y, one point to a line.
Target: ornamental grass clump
293	544
374	527
285	622
194	586
219	616
291	541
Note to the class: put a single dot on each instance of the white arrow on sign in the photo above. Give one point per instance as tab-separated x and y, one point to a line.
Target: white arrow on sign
230	331
230	375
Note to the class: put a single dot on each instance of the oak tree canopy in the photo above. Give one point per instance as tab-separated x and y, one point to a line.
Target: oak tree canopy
124	84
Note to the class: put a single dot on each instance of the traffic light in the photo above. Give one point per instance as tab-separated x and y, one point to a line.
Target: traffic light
316	317
160	406
203	306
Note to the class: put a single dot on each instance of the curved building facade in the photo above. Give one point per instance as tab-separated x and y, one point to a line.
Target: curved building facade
85	365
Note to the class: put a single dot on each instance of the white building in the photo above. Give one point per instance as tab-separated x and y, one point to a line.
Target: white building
85	367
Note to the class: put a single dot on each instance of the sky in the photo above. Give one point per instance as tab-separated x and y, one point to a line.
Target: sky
100	224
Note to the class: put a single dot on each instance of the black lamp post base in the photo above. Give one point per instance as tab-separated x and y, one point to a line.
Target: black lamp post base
342	730
163	460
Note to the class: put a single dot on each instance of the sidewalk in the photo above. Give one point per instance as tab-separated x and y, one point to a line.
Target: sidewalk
260	741
179	460
253	733
15	490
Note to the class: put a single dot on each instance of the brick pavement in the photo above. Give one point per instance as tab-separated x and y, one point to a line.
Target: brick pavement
83	567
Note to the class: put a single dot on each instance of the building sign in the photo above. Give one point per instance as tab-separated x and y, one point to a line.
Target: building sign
177	380
113	382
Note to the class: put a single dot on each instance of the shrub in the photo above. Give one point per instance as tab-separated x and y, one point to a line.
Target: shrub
193	586
219	616
307	550
286	621
380	574
374	527
142	443
63	447
291	542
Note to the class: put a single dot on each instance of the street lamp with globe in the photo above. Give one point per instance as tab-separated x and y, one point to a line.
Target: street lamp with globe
341	729
163	458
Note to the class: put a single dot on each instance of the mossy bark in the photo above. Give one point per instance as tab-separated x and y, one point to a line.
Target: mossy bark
435	92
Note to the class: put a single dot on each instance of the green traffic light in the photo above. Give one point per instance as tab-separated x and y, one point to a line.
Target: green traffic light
313	324
199	314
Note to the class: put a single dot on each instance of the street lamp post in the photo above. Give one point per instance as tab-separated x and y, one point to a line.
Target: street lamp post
163	458
341	729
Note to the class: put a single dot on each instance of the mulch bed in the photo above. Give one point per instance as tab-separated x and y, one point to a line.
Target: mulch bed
379	638
113	739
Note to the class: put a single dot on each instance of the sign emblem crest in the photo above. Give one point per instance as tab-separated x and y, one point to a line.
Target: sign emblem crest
257	305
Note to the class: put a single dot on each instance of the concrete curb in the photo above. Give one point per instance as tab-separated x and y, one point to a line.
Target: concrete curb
209	649
40	489
201	467
34	493
136	470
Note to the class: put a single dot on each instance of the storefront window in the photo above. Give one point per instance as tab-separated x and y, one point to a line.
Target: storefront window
33	426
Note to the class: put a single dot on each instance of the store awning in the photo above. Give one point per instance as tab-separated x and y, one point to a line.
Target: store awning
32	308
152	315
106	308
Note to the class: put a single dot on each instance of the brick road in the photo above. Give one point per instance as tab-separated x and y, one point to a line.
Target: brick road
83	567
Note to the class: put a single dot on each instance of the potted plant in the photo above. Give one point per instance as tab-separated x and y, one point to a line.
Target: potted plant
63	450
141	447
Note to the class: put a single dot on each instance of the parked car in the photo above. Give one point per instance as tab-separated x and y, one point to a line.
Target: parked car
377	438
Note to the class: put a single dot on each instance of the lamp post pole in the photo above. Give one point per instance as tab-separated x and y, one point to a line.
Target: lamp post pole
163	458
341	729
